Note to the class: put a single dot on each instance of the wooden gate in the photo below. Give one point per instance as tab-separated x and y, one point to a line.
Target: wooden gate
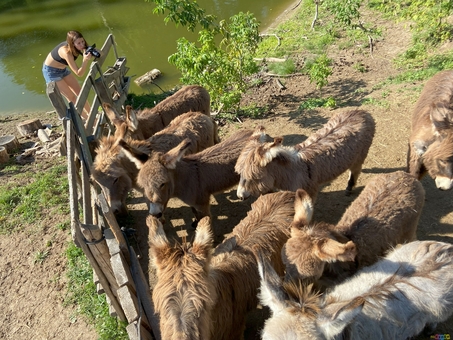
116	269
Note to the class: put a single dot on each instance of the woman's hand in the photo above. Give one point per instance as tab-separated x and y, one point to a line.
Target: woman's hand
87	56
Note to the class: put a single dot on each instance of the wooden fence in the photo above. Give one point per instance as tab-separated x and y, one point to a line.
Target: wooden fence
116	270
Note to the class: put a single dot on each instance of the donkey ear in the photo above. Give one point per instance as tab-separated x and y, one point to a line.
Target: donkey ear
172	157
329	250
203	242
271	293
113	116
120	133
131	118
303	209
440	115
337	316
134	155
259	131
158	241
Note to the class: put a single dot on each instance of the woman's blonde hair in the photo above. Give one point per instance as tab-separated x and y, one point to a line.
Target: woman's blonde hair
71	37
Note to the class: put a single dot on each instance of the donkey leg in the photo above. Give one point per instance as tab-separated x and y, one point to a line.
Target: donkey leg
354	172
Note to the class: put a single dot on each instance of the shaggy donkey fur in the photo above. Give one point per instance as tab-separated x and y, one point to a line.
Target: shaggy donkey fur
147	122
341	144
201	294
117	175
394	299
385	214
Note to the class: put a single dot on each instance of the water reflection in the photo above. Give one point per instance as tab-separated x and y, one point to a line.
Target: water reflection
29	29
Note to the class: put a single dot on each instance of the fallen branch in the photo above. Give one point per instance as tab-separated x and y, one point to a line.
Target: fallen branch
280	85
272	60
284	76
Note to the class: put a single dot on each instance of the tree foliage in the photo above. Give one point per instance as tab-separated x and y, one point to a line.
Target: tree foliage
222	57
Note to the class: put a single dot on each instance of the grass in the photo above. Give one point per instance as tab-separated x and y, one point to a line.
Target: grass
82	293
43	194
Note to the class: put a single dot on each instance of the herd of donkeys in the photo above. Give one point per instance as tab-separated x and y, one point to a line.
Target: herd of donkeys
366	277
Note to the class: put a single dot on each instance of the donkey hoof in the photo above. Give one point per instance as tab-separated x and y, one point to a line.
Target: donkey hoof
348	192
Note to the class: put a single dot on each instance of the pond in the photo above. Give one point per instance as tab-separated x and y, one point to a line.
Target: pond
29	29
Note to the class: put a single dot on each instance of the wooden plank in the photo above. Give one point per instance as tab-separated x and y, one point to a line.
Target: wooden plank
129	303
113	224
86	196
112	311
122	272
138	331
105	49
80	132
72	179
112	242
100	251
144	294
102	279
98	285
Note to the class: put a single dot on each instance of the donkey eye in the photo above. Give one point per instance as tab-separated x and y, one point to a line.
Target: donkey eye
163	185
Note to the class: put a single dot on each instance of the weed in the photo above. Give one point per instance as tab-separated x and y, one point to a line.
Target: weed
318	102
283	68
376	102
359	67
40	256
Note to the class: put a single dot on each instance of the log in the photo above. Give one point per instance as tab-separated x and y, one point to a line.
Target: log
4	157
29	127
10	143
148	77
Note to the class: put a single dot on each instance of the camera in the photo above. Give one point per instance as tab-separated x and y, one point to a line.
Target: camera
91	49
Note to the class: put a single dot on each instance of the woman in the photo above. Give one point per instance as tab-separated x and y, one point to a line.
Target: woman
63	55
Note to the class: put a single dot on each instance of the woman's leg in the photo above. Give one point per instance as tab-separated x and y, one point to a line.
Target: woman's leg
70	88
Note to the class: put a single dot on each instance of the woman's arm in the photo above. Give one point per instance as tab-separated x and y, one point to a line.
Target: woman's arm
79	72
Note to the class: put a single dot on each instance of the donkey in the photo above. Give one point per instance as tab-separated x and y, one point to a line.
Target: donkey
412	287
431	139
193	178
117	175
205	294
147	122
341	144
385	214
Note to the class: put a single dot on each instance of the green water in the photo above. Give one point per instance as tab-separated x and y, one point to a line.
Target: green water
29	29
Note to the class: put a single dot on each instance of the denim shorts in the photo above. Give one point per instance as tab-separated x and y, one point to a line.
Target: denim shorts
54	74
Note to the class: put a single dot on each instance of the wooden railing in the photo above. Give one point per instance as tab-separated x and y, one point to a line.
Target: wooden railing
116	269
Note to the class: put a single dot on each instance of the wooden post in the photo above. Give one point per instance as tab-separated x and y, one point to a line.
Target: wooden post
100	251
72	177
56	99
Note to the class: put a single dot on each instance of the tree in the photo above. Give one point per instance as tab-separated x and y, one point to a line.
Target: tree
222	57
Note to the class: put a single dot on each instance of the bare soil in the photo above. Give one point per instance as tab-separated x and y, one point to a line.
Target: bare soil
32	293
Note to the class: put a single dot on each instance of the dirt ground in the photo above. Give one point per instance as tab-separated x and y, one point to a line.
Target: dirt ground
31	295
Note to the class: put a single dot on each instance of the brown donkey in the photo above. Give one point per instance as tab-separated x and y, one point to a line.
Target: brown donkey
117	175
147	122
431	139
385	214
193	178
205	294
341	144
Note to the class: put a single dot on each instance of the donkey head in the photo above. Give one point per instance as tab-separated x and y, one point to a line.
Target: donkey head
183	295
